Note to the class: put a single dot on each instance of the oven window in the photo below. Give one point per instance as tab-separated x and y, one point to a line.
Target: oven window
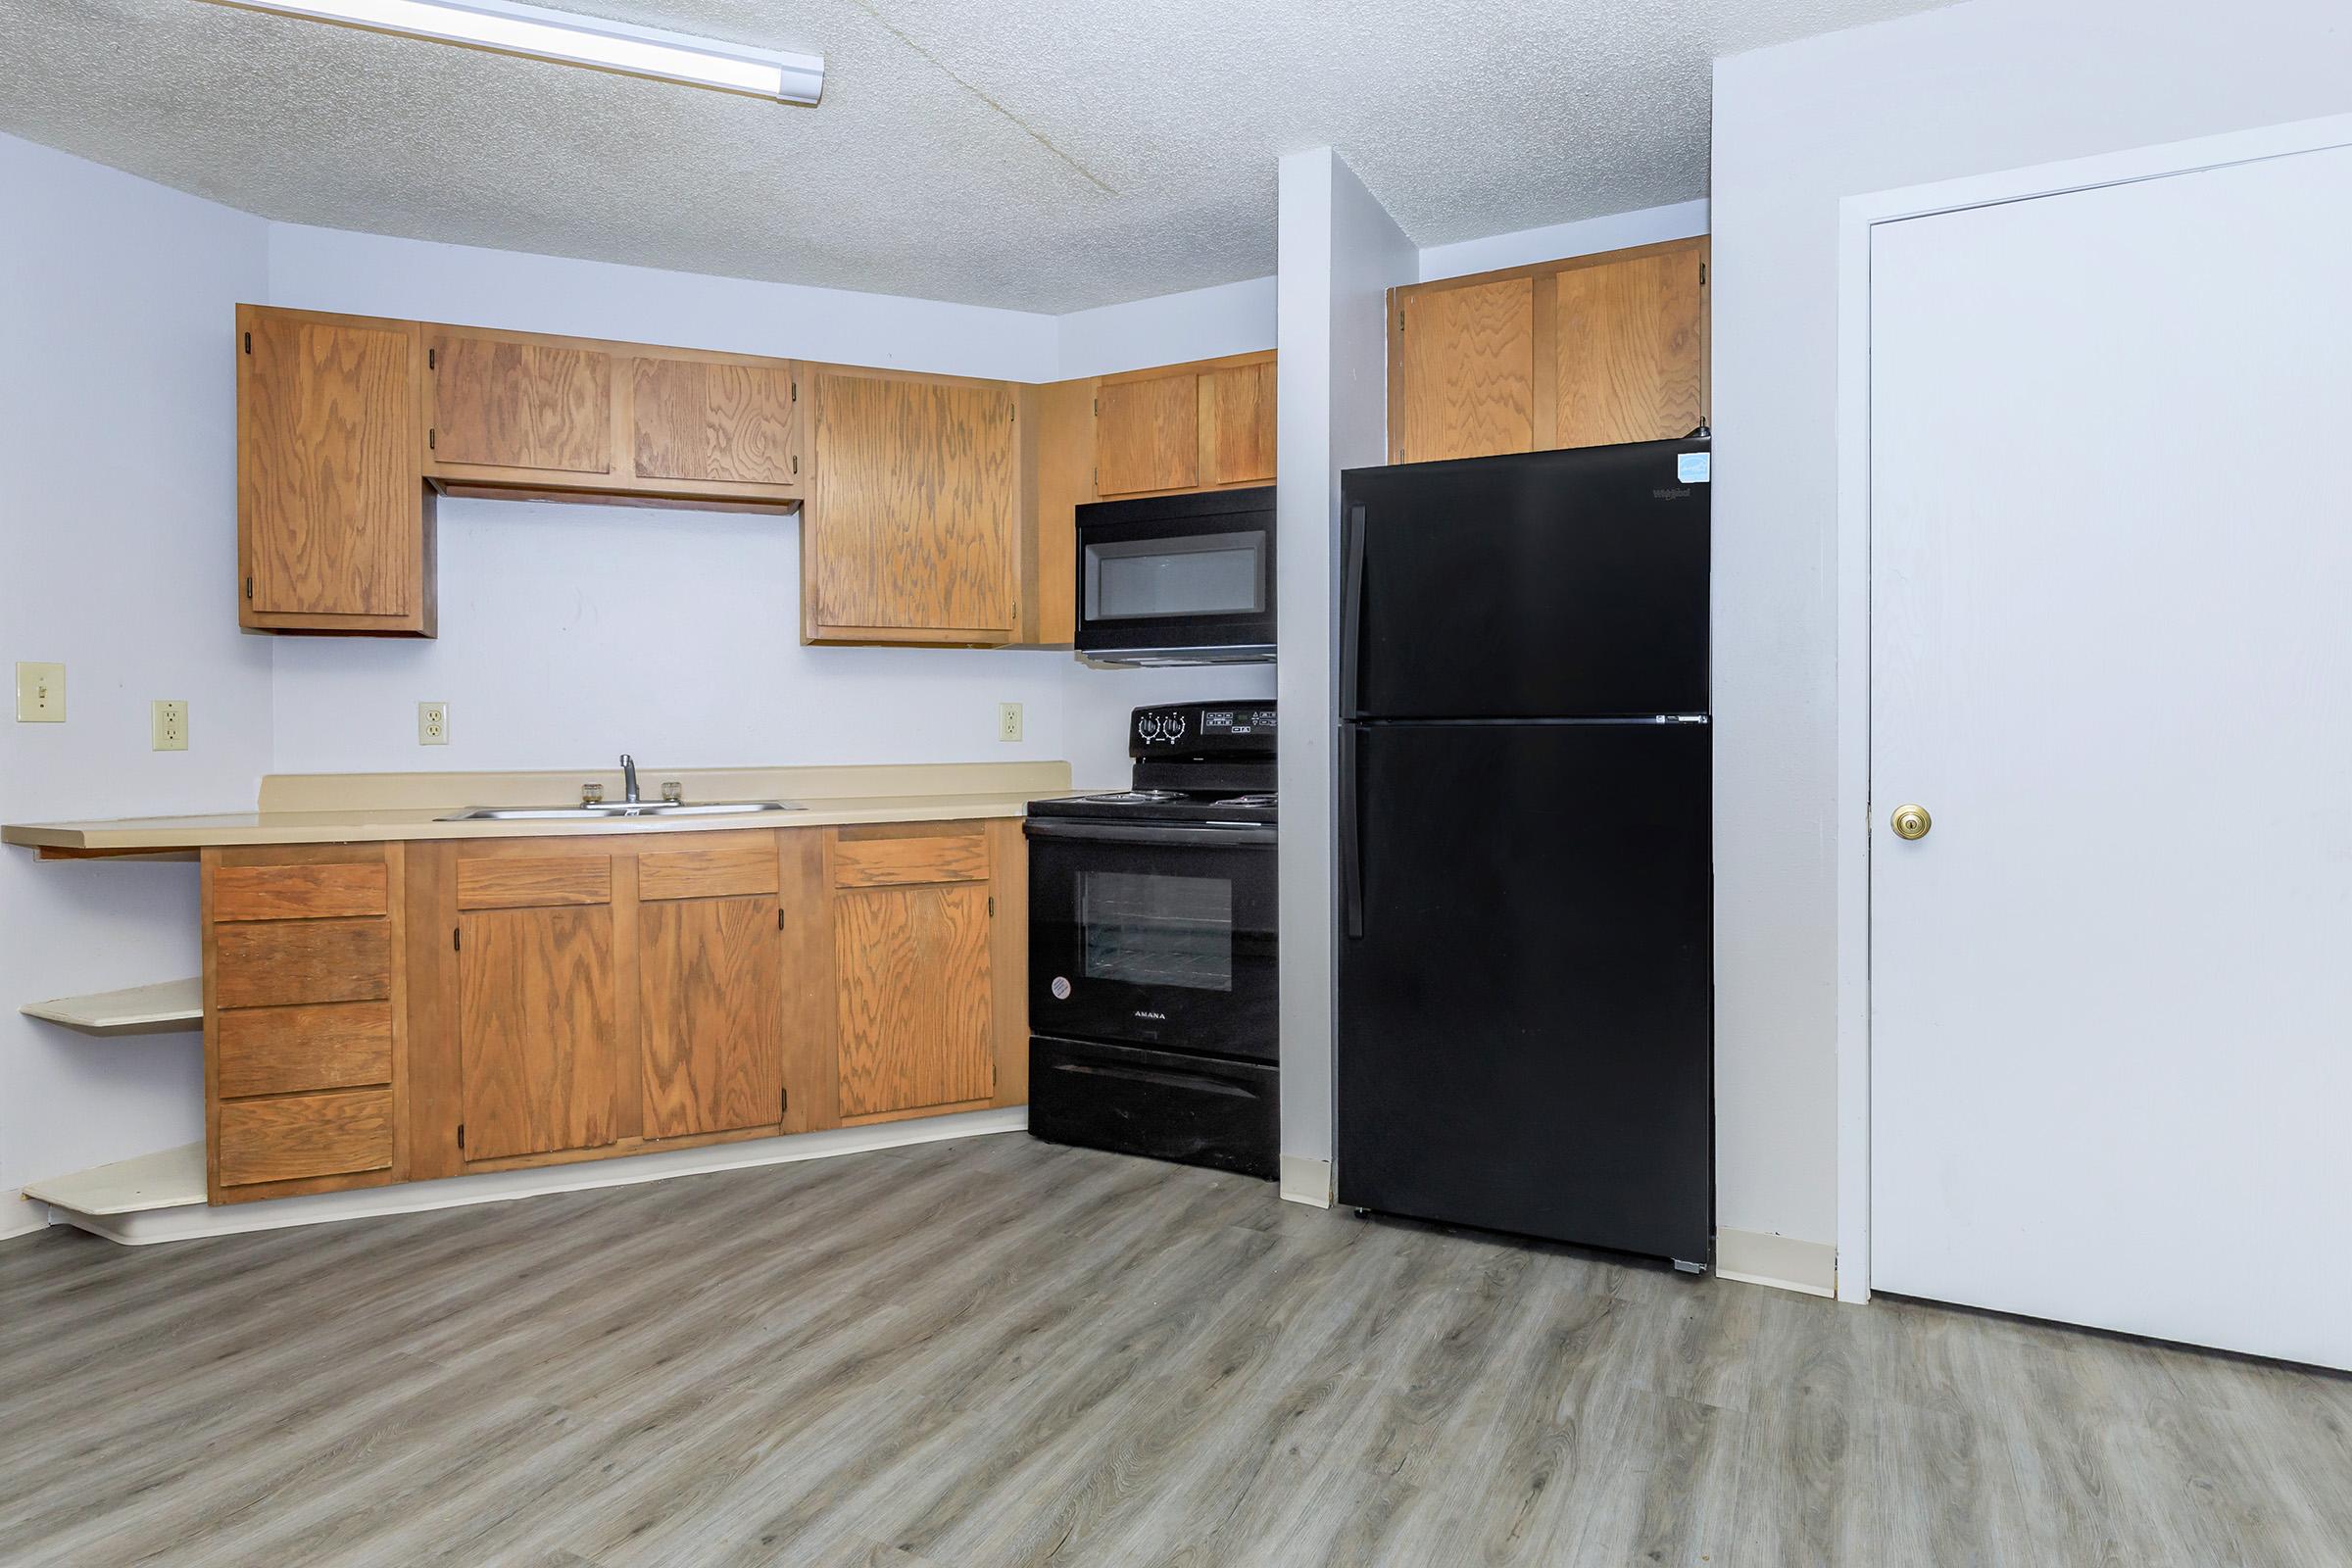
1205	575
1157	930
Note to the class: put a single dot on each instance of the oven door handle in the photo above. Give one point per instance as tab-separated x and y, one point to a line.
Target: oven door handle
1170	837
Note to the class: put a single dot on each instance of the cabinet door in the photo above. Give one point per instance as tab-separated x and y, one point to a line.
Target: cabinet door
916	997
714	422
711	973
1631	349
334	523
909	532
502	401
1465	371
1240	446
537	1027
1147	435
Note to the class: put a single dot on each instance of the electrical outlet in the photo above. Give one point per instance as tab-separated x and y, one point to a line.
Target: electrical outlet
168	723
432	724
41	693
1008	721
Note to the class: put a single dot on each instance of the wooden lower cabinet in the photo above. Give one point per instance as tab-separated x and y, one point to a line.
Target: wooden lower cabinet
392	1012
711	987
916	998
305	1057
537	1032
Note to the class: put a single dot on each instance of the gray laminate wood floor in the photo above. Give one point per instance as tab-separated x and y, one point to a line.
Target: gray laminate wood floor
995	1352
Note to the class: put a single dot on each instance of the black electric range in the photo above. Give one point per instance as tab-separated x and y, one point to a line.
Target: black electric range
1151	957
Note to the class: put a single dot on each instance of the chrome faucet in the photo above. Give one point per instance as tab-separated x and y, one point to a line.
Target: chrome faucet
628	778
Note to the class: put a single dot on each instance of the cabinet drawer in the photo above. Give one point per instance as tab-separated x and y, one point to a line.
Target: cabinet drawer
298	891
282	1051
525	882
297	1136
879	863
733	870
274	964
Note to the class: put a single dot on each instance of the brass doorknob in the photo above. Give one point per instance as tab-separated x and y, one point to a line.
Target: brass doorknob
1911	821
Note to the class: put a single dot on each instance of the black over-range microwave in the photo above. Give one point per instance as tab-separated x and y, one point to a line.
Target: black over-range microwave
1177	579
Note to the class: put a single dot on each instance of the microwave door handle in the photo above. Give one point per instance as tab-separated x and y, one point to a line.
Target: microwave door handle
1351	839
1351	608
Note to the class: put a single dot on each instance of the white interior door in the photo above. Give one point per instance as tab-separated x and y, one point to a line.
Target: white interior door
2111	564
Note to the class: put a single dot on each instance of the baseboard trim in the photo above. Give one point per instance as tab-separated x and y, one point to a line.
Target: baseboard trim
180	1221
21	1215
1306	1180
1757	1257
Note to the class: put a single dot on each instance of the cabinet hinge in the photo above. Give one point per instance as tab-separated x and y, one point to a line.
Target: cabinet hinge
431	441
249	342
456	939
460	1135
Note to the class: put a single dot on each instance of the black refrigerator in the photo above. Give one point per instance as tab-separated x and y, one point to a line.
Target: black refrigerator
1524	826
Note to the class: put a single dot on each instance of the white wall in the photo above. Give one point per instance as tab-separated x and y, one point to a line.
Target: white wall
1616	231
1341	253
1201	323
1991	85
118	383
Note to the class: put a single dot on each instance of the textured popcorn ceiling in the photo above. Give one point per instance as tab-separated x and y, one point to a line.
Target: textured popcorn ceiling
1047	155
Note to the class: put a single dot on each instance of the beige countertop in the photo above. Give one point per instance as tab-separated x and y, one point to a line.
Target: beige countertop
357	807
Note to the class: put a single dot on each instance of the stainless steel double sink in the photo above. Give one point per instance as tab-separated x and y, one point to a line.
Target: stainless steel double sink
617	809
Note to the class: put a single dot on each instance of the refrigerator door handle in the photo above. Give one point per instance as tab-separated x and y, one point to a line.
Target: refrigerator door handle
1352	838
1352	606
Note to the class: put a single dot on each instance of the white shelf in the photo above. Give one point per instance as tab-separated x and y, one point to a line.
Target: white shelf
131	1010
171	1179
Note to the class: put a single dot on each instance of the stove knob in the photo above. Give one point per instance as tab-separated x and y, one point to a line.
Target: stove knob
1175	726
1147	727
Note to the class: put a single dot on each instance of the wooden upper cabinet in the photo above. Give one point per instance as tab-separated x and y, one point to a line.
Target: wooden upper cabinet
496	400
1200	426
1240	398
911	530
1465	371
1632	354
714	420
1588	352
1147	435
334	524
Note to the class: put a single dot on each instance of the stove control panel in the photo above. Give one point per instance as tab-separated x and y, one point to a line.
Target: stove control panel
1203	729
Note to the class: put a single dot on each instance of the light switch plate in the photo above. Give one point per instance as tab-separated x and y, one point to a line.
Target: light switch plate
41	693
432	724
1008	721
168	722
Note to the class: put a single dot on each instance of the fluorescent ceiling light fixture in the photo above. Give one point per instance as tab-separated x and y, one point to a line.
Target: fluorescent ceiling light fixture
510	27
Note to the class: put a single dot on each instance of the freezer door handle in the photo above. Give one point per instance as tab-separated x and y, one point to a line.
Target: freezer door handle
1352	840
1352	606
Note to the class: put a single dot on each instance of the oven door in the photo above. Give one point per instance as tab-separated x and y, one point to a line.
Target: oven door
1177	577
1154	934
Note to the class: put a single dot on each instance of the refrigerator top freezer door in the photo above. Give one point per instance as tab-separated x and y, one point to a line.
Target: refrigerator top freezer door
1540	585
